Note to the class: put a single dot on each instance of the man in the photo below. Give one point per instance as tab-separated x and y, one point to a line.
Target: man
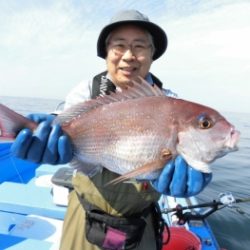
108	217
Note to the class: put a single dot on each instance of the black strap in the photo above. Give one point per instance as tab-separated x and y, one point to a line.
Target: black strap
101	85
156	81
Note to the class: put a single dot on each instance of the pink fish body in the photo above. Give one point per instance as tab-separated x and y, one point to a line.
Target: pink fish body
137	131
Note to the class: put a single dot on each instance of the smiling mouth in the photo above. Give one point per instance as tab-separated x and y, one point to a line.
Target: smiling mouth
128	69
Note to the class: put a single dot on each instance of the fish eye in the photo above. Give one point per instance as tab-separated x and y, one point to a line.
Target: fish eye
205	122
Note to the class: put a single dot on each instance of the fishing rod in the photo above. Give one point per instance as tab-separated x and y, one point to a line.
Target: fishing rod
225	200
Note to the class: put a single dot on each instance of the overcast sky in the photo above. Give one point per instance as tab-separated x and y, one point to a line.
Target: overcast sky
46	47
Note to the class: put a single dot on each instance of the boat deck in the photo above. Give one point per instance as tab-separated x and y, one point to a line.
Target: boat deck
29	217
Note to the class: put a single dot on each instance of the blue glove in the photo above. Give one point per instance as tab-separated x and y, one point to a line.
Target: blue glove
47	144
178	179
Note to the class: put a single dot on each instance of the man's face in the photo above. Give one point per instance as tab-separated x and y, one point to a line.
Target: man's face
129	54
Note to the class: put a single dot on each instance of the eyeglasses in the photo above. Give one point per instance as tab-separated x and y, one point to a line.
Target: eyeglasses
137	48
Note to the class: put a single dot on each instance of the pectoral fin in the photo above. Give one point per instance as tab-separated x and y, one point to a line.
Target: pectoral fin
165	156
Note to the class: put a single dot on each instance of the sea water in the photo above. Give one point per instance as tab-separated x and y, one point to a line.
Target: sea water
231	173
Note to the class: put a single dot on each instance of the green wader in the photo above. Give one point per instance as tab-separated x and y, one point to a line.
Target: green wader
123	199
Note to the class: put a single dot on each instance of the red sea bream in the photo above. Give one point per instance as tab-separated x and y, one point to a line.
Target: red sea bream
137	131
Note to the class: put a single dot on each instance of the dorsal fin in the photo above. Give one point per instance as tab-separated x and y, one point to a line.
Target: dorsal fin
140	88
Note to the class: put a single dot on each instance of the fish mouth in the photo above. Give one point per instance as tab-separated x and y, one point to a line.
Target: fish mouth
229	145
232	140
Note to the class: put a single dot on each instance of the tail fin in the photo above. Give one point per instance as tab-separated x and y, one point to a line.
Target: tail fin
11	123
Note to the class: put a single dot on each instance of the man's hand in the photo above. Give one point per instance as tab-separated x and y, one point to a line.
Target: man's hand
47	144
178	179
